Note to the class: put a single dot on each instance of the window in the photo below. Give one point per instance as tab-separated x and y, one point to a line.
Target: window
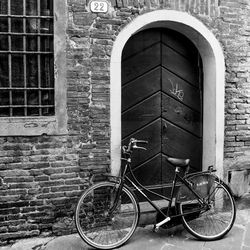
28	87
26	58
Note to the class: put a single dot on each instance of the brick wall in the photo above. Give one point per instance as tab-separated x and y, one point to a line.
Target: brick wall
41	177
235	40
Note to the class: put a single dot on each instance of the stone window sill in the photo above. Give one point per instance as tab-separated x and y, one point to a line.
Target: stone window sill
31	126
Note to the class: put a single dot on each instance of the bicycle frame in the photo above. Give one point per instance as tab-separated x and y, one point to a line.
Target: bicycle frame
142	189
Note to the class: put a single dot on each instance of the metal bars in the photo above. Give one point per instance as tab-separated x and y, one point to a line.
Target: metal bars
26	58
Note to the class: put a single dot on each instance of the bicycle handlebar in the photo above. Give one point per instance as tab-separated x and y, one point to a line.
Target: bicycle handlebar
133	145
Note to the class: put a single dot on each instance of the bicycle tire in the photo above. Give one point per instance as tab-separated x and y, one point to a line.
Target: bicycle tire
215	221
96	225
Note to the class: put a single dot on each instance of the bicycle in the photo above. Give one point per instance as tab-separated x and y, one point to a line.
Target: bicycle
108	212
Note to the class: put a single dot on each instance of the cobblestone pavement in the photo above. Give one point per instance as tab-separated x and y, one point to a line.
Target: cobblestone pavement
173	239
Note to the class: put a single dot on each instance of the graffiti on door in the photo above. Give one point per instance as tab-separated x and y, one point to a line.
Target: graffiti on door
176	91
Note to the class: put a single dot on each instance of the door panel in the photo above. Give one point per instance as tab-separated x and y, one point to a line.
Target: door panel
181	44
181	144
162	103
141	41
152	133
179	65
141	114
181	115
141	63
130	93
151	169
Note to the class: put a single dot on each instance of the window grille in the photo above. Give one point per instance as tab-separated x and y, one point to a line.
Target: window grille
26	58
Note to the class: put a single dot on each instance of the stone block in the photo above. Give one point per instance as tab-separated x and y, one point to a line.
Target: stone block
239	182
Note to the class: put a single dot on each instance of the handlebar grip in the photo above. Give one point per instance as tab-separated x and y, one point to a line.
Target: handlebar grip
136	147
142	141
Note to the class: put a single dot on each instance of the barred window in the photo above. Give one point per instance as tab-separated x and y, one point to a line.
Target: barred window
26	58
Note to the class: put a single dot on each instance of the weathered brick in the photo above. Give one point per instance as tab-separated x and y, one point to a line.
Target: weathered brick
18	179
51	195
42	178
50	171
235	122
243	138
234	144
64	188
242	127
63	176
51	183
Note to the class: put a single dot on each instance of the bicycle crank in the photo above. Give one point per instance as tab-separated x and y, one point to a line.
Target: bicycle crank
156	226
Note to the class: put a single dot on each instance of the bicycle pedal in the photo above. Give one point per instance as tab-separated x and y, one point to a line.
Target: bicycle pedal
155	229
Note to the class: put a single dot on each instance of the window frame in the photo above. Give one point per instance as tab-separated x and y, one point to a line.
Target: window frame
50	125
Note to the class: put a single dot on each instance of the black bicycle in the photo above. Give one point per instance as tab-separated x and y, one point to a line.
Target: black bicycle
108	212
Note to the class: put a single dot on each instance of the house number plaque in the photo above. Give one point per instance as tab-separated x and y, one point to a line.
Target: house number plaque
98	6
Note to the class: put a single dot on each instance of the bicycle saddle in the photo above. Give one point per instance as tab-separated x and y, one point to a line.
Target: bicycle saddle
178	162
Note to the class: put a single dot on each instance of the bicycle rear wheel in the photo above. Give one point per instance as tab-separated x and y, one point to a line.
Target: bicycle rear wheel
103	224
213	221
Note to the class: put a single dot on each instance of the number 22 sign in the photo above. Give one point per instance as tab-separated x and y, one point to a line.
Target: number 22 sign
98	6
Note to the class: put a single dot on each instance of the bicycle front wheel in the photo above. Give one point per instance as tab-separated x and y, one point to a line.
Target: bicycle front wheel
216	218
103	220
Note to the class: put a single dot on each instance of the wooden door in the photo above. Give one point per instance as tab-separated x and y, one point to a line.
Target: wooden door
162	103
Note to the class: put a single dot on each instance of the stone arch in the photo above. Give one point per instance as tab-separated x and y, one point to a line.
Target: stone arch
214	81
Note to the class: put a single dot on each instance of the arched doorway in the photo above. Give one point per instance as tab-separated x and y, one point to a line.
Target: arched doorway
213	81
162	101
